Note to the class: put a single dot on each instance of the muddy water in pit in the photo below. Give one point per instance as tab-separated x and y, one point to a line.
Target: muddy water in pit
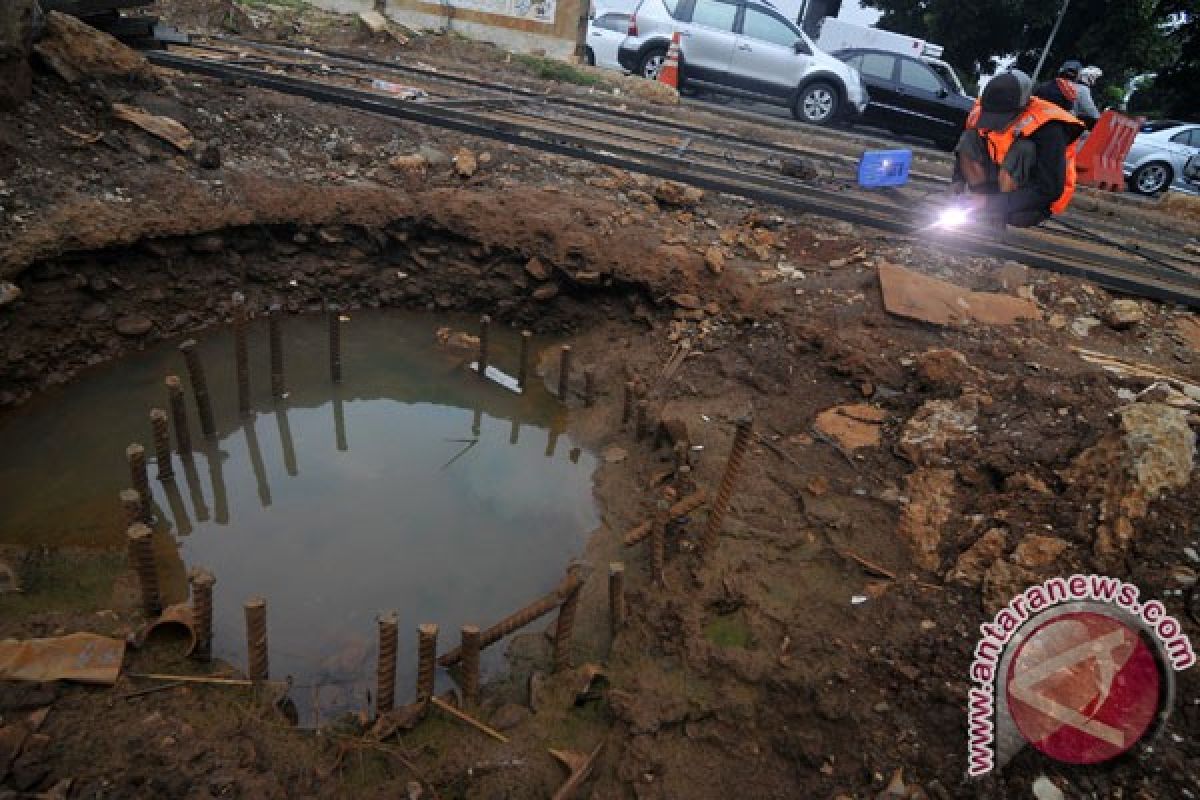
414	485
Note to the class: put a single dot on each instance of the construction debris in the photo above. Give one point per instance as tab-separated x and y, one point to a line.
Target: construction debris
75	51
916	296
169	130
852	426
80	657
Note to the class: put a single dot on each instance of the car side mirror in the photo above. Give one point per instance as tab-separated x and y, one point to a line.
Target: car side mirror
801	48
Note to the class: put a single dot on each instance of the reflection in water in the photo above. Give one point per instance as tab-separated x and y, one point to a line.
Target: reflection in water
441	510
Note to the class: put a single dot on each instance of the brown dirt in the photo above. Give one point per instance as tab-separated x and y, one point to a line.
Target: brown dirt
751	673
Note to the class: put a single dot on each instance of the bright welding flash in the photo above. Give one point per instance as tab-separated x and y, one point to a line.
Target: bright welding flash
952	218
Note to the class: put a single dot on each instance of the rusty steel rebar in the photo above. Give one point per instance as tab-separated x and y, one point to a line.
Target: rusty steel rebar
179	420
199	386
135	454
160	428
733	468
681	508
385	673
523	366
335	343
470	664
565	625
202	612
589	386
564	372
426	660
616	596
241	356
642	425
627	403
141	557
275	338
131	504
257	665
518	619
485	326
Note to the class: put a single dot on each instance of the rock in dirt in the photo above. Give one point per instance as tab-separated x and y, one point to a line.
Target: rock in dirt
413	164
1082	326
938	425
9	292
852	426
76	51
1124	313
974	561
546	293
803	168
456	340
465	163
509	716
714	259
1188	330
17	24
1045	789
916	296
673	193
169	130
1036	550
133	325
208	155
1002	582
931	499
944	368
688	301
1152	451
537	270
614	454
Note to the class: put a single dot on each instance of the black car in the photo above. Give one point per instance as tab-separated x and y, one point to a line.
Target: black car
908	96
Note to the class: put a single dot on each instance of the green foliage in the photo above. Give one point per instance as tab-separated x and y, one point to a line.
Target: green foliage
1123	38
550	70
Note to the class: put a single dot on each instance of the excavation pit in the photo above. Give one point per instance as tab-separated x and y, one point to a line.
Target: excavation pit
415	484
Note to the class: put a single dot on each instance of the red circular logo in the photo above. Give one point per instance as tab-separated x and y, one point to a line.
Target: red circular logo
1083	688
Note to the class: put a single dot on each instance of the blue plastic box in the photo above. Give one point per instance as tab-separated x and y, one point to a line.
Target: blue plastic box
878	168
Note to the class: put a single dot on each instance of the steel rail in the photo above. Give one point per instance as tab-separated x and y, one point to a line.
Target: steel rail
1171	287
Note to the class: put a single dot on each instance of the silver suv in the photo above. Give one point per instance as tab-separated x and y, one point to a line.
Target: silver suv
745	48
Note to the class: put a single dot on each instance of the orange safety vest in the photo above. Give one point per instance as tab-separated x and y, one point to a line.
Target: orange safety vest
1035	115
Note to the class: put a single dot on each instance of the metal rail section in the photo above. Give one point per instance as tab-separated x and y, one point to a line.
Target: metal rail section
1152	281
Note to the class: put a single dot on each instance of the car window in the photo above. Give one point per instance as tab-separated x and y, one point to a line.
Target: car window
1159	125
766	28
918	76
1190	137
877	65
613	22
671	6
712	14
854	61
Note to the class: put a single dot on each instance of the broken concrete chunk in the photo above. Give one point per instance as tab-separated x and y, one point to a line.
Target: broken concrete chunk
936	426
975	560
171	131
910	294
465	163
75	51
944	368
412	163
537	270
1124	313
1082	326
714	259
673	193
852	426
8	293
1036	550
931	496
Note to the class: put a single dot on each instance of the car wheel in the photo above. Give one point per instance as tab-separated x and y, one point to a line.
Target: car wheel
652	62
589	57
1151	178
817	103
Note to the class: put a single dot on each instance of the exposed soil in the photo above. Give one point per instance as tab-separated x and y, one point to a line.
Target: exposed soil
754	672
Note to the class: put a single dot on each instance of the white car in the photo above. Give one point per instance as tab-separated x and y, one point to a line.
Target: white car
1158	156
606	31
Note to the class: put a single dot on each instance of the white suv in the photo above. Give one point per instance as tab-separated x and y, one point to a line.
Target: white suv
745	48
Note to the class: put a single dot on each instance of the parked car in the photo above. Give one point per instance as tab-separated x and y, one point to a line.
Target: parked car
744	48
606	31
909	96
1156	160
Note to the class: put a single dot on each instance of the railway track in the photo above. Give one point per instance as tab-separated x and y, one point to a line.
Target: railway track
662	147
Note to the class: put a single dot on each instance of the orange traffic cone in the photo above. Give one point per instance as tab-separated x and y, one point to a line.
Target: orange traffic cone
669	72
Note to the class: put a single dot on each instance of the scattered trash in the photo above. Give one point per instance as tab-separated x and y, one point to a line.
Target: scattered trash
858	599
178	616
82	657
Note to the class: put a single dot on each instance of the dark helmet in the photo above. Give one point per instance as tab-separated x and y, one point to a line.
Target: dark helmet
1070	69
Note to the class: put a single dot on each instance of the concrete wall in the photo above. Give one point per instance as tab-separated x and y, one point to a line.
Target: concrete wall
523	26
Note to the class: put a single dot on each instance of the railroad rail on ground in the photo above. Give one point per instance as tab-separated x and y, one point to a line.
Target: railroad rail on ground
659	146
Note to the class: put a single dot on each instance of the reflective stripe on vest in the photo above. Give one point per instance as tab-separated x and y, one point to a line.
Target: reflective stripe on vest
1035	115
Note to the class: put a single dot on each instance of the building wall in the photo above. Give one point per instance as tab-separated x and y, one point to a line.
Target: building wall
549	27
